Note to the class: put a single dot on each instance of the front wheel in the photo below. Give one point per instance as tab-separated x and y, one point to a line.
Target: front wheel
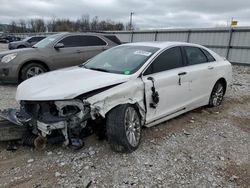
31	70
124	128
217	94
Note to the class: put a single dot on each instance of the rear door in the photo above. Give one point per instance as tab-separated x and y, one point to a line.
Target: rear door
167	75
92	45
201	75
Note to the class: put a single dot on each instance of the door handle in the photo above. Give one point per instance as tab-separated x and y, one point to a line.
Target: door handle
78	51
210	67
182	73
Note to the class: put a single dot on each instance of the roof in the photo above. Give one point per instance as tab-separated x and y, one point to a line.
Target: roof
161	45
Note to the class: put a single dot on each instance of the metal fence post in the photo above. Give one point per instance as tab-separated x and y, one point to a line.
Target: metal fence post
229	42
188	35
156	32
132	36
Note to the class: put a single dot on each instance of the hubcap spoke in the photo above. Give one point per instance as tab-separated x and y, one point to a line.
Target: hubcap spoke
218	95
132	126
34	71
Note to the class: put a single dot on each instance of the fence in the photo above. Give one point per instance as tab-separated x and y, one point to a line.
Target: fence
232	43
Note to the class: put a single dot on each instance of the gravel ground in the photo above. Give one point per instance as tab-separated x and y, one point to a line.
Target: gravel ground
208	147
3	46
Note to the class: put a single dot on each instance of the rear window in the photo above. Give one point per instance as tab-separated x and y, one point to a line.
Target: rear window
209	56
195	55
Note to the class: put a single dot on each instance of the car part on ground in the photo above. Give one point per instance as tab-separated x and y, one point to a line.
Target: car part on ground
124	88
10	131
54	52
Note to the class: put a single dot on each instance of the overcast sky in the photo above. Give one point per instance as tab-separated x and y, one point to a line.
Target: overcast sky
148	13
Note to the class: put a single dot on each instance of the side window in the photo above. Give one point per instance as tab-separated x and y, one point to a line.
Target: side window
195	56
169	59
76	41
93	41
39	38
71	41
209	56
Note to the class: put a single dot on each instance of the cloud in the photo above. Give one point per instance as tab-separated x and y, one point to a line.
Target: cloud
148	13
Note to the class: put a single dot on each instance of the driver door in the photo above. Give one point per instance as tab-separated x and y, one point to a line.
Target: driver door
167	75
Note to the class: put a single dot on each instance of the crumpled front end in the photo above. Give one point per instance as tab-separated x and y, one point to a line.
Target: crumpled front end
62	120
67	120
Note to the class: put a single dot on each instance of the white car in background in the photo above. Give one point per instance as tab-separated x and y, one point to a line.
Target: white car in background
121	90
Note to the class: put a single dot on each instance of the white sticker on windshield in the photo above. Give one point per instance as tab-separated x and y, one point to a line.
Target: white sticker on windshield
141	52
51	39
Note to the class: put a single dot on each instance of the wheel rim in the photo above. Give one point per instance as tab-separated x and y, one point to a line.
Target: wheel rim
132	126
34	71
218	95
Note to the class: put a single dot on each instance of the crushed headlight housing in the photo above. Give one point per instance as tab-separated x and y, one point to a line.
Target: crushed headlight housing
8	58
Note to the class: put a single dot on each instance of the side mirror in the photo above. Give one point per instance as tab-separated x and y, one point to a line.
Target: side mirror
59	45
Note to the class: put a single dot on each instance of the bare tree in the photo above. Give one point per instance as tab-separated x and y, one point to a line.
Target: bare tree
58	25
94	24
12	27
22	26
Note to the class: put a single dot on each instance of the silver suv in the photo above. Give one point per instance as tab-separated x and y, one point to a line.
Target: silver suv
54	52
25	43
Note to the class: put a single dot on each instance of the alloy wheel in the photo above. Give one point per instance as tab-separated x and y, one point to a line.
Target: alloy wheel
132	126
34	71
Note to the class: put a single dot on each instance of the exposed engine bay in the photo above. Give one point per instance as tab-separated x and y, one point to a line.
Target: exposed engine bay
62	120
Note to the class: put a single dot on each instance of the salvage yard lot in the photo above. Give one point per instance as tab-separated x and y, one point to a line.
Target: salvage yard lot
208	147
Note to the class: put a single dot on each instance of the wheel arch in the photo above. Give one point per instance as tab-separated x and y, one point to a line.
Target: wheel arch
31	61
136	105
223	81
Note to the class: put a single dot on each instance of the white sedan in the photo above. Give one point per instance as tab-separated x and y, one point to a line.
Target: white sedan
121	90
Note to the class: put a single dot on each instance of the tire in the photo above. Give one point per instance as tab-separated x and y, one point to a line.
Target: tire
31	70
19	47
122	135
217	94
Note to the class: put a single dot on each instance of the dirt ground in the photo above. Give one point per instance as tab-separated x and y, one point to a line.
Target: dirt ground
208	147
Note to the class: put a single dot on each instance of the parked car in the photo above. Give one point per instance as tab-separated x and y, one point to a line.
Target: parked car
9	38
25	43
54	52
121	90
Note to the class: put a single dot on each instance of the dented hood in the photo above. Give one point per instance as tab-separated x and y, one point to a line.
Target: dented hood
66	84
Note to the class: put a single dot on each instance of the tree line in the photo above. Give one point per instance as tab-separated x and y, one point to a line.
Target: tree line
85	23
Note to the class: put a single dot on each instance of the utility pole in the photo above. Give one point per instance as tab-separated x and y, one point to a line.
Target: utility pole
130	23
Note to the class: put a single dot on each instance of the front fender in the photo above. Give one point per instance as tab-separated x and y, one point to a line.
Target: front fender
131	92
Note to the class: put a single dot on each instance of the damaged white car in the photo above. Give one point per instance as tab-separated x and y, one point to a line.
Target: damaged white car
119	91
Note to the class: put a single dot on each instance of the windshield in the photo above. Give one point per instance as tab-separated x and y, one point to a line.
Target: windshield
123	59
46	42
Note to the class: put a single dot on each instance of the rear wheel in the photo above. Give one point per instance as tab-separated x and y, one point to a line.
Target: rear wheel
124	128
217	94
31	70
